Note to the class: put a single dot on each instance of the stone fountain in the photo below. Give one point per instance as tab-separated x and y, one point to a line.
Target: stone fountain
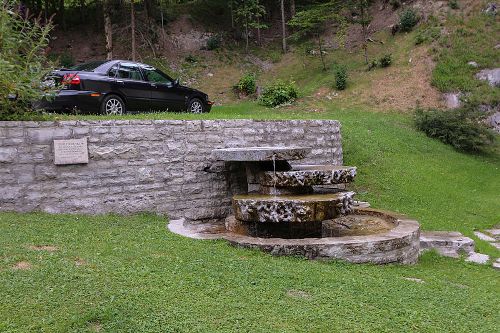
305	210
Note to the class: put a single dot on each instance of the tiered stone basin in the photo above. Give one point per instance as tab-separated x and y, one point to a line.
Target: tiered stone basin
283	216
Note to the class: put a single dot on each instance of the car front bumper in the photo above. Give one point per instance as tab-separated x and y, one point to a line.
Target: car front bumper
71	100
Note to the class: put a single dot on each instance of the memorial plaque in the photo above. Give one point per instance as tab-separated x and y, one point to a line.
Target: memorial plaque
72	151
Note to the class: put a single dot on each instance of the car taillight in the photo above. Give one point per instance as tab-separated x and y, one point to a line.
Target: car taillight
72	79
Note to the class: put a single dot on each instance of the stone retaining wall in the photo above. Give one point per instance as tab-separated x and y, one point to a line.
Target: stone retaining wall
158	166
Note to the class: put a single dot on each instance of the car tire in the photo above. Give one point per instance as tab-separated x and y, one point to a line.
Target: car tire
196	106
113	105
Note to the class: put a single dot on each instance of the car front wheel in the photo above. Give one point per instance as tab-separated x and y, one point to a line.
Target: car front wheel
196	106
112	105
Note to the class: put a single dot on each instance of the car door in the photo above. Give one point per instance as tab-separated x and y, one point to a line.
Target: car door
129	82
166	95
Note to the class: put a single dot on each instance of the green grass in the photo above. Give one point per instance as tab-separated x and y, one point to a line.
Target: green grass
471	39
138	277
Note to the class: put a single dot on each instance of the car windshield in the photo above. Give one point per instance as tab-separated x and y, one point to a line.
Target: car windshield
87	66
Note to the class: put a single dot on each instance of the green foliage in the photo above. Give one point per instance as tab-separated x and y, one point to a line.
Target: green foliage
278	93
408	19
23	64
214	42
453	4
247	84
248	13
386	60
312	22
340	77
461	128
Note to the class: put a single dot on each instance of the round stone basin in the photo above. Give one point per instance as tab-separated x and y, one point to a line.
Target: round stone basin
356	225
249	154
291	208
309	175
399	244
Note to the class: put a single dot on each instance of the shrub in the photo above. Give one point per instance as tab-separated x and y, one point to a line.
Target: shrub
247	84
191	59
214	42
278	93
453	4
461	128
407	20
385	61
373	64
23	64
340	77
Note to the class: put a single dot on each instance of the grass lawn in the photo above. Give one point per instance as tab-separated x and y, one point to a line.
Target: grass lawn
129	274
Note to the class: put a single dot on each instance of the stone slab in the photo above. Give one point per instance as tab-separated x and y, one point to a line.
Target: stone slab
248	154
71	151
478	258
484	237
309	175
447	243
291	208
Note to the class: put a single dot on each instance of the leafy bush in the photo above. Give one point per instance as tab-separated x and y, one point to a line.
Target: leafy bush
214	42
453	4
23	64
407	20
386	60
461	128
340	77
278	93
373	64
247	84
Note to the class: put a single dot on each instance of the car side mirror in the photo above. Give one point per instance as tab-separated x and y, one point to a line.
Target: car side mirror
176	82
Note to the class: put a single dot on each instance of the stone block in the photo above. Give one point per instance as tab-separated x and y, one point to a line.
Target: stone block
7	154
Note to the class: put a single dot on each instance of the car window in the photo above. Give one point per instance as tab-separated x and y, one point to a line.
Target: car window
156	76
113	72
129	71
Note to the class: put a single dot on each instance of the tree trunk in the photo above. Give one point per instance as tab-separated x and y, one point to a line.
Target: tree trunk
108	30
292	8
232	15
132	27
246	36
61	14
258	31
321	52
283	24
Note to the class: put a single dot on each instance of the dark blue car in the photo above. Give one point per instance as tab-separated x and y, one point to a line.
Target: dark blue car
118	86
